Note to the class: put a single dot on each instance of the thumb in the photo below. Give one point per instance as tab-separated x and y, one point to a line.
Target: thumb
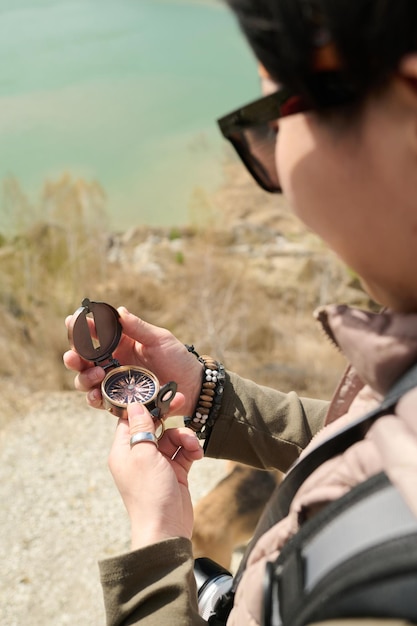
139	418
136	328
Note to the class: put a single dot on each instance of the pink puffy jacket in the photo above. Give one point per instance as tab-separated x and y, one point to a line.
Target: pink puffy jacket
380	348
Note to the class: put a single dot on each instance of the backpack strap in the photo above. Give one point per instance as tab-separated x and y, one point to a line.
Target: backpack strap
341	441
302	468
356	557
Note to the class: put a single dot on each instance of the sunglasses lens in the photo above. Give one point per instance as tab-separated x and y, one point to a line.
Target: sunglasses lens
256	148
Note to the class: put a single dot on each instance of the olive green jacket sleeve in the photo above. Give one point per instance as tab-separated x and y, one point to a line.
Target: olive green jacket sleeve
256	425
263	427
152	586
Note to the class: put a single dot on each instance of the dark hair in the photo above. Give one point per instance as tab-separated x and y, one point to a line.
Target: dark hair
370	36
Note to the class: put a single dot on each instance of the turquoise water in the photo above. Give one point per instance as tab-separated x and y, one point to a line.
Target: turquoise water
125	92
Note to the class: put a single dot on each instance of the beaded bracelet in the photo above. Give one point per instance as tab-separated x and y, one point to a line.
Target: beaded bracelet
209	401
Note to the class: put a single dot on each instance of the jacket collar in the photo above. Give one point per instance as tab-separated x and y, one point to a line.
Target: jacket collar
380	346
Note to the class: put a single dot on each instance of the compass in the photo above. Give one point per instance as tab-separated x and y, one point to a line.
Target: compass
130	384
95	333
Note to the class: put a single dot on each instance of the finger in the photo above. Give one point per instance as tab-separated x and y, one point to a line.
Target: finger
185	458
139	418
122	434
188	439
175	438
120	448
89	378
176	405
95	399
138	329
73	361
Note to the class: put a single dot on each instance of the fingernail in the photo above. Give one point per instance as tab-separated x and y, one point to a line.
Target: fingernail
135	408
94	396
196	440
123	309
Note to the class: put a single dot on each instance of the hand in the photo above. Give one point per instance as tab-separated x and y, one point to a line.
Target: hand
147	346
153	482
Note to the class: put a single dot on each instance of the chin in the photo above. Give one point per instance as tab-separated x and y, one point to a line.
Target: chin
393	300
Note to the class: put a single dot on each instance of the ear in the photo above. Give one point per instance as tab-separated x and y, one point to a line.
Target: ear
268	85
407	72
408	67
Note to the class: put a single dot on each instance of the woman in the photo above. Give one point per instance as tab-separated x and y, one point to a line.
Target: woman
339	138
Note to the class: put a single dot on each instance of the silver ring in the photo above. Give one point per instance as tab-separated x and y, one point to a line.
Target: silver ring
139	437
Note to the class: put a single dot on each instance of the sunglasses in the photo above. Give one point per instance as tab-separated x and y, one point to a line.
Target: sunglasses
253	129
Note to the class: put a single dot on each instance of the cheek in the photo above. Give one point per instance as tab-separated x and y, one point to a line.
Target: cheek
312	174
294	152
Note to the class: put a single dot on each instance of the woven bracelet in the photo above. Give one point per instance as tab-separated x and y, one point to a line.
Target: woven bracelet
209	401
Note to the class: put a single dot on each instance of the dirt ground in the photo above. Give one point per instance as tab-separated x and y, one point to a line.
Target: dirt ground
61	512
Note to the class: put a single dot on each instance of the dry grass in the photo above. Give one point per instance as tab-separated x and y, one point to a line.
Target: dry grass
241	286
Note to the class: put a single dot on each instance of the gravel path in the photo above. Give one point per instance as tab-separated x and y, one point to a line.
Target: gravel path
61	513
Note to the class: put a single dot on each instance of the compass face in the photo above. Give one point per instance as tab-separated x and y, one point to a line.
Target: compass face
126	385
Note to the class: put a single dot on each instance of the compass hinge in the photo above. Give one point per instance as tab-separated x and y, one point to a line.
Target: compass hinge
111	363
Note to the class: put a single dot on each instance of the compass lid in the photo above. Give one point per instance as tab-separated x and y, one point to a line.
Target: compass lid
95	331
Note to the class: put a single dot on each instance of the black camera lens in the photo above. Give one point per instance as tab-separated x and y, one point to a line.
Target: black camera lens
213	581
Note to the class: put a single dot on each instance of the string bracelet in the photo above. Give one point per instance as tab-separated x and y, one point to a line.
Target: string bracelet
210	398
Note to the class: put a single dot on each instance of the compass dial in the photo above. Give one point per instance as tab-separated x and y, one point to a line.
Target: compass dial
127	384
